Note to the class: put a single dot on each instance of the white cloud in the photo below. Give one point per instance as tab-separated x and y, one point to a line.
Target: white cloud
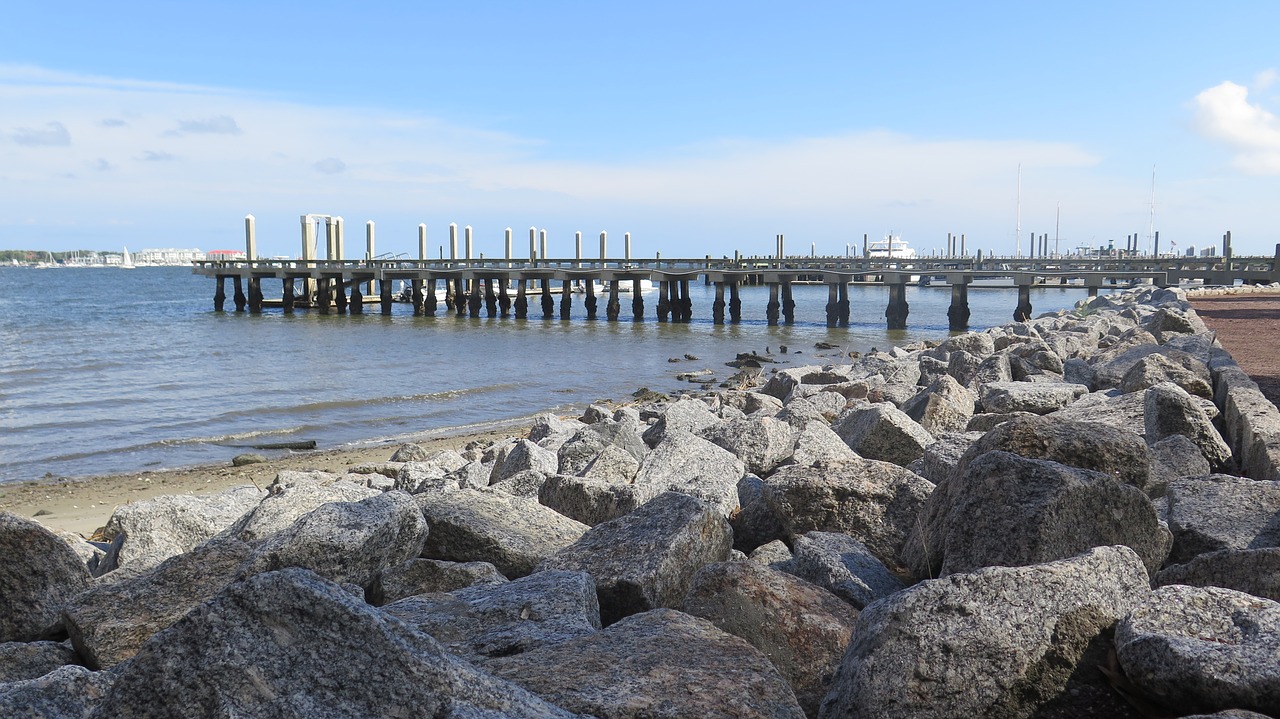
1224	113
330	166
218	125
1265	79
52	134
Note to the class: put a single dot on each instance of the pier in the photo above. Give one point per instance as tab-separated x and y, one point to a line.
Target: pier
471	286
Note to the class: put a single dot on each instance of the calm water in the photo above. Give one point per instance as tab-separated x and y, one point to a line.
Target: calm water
107	370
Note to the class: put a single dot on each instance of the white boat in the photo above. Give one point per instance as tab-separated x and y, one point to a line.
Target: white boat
126	261
891	247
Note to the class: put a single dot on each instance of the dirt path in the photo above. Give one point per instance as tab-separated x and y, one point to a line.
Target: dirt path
1249	327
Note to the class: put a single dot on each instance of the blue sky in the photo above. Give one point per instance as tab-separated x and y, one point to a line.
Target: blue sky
697	127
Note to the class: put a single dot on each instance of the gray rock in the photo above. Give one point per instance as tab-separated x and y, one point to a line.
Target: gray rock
996	642
662	664
941	458
487	621
843	566
1203	649
110	622
348	542
525	483
525	455
161	527
978	344
685	463
409	452
248	458
472	475
548	426
817	444
427	576
1111	365
684	415
20	661
1155	369
586	445
800	628
589	501
993	369
612	464
1033	397
752	403
430	472
289	497
511	533
389	470
987	421
756	523
646	559
1008	510
877	503
1252	571
38	575
882	432
267	647
1076	370
963	367
65	693
1173	457
944	406
1169	410
762	444
819	407
773	554
1207	514
1085	445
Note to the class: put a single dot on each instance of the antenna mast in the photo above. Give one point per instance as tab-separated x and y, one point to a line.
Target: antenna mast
1017	232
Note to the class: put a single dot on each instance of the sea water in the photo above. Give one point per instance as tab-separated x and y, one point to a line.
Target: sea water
105	371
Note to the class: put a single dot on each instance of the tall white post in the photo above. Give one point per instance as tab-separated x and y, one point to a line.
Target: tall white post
542	237
604	245
422	241
338	237
577	247
328	238
250	239
453	240
368	240
308	238
466	231
533	244
626	246
813	249
508	255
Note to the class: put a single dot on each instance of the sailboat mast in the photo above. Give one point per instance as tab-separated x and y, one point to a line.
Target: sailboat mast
1057	229
1017	232
1151	225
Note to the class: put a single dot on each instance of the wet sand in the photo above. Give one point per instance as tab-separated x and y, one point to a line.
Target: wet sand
82	505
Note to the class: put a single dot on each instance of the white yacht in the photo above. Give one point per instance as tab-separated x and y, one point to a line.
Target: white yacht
891	247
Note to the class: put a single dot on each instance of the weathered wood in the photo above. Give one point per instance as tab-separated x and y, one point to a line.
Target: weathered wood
548	304
416	290
240	299
566	299
843	304
429	301
220	294
522	301
788	303
664	300
459	297
384	296
255	295
340	295
771	309
286	294
637	302
504	300
833	309
490	299
717	307
686	302
324	296
735	304
590	301
473	300
357	299
613	308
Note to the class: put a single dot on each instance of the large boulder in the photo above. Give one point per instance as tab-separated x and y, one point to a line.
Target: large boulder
20	661
802	629
1169	410
1203	649
486	621
524	456
877	503
882	432
661	664
1033	397
646	559
843	566
511	533
429	471
944	406
289	497
1252	571
111	621
38	575
685	463
152	530
289	643
1219	511
762	444
69	692
1008	510
348	542
586	444
684	415
817	444
997	642
589	501
1157	369
425	576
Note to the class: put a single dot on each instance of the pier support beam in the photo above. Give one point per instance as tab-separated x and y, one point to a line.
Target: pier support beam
340	295
429	301
324	295
590	301
220	294
357	298
286	293
490	298
566	299
384	296
717	307
686	302
504	300
771	310
459	297
1022	312
240	299
637	302
548	305
735	304
255	295
664	301
416	286
958	312
522	301
842	304
896	313
833	308
613	308
474	301
788	304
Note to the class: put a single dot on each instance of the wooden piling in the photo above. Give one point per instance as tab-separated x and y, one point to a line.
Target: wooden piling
522	301
664	299
286	293
1022	312
429	302
548	305
771	309
416	288
490	299
717	307
566	299
384	296
842	303
613	308
788	304
958	312
735	304
240	299
637	301
220	294
590	301
896	312
357	299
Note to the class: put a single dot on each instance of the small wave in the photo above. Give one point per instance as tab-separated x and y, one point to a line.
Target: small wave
339	404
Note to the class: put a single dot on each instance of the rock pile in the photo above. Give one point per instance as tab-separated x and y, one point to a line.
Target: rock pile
1071	516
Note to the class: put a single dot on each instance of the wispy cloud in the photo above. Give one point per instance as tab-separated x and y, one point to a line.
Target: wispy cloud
113	122
101	165
330	166
218	125
53	134
1224	113
153	156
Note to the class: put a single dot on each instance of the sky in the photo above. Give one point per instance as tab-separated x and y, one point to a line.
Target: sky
698	127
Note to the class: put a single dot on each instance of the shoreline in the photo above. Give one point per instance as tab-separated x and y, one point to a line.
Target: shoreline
82	505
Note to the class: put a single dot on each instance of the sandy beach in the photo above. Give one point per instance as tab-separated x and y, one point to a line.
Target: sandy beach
82	505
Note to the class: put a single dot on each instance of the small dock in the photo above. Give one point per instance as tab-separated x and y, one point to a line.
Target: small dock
471	286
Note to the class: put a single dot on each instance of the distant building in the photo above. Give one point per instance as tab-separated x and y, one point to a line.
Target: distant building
225	255
168	256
